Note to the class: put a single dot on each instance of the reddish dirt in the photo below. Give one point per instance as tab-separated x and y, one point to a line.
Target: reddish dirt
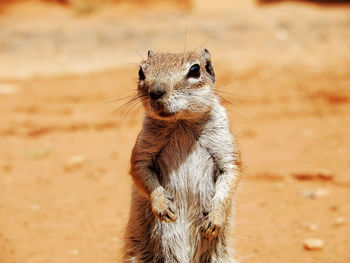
64	163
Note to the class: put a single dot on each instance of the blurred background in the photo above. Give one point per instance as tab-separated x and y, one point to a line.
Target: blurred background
65	65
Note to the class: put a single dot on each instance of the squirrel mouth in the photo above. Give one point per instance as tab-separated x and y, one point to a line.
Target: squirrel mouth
166	114
159	109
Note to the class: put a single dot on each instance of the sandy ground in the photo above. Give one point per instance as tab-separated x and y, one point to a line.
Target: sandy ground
64	163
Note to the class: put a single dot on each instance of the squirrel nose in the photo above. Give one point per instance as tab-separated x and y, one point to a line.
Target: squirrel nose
157	92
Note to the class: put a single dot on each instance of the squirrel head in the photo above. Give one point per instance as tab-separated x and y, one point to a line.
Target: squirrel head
177	86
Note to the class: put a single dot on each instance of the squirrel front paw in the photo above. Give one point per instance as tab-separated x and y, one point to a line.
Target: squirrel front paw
213	223
163	206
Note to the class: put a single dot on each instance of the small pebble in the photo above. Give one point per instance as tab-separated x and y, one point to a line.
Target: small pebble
7	167
281	34
311	227
308	132
339	221
333	208
8	89
262	203
74	252
313	244
308	194
321	192
41	152
34	207
74	162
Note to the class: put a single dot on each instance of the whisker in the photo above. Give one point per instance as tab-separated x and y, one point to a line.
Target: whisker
137	110
139	53
184	50
229	84
203	101
125	112
235	107
232	103
130	98
120	99
127	104
203	44
132	63
130	107
233	79
234	94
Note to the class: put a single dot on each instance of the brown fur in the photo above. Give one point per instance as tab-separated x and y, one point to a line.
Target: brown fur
185	165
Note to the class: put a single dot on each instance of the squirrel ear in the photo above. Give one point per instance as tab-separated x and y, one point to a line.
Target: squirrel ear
205	55
150	53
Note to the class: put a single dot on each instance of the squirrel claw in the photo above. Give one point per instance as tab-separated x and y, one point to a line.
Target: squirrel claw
164	208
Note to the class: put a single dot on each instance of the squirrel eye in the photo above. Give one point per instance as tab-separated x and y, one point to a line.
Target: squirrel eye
141	74
194	71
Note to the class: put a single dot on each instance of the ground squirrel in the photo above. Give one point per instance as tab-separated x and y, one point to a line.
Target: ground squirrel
185	165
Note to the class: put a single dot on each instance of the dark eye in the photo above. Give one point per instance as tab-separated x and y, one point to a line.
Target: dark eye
194	71
141	74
